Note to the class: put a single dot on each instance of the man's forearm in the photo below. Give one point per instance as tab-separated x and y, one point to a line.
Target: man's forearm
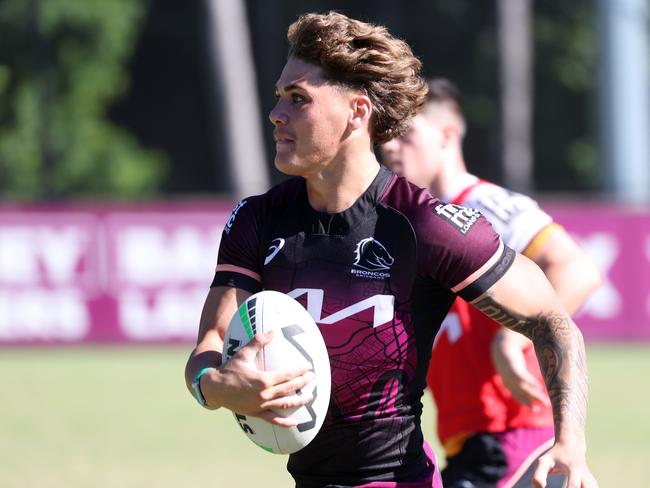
561	355
197	361
205	355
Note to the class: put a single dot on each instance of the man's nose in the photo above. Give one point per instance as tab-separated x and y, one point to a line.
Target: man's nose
277	116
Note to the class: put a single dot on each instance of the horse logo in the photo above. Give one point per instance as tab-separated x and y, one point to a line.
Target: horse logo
371	255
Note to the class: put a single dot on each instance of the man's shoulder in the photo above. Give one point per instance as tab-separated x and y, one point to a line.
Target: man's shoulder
515	216
437	223
485	192
284	193
498	202
409	199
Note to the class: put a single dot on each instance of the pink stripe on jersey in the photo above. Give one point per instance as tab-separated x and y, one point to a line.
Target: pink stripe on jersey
481	271
240	270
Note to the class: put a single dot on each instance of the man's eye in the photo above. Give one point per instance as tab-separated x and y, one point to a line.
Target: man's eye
297	98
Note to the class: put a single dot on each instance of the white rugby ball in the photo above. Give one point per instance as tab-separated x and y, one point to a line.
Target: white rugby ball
296	340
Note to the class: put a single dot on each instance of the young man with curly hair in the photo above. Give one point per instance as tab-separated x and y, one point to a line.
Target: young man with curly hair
346	86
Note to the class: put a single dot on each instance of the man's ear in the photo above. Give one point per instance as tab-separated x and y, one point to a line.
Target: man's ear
449	134
361	112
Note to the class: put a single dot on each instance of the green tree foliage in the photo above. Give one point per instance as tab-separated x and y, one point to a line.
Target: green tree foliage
62	64
566	52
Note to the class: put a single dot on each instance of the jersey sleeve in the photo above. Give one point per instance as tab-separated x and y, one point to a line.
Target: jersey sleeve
238	259
515	217
458	248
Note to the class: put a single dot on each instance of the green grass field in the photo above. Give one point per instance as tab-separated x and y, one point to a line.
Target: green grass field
113	417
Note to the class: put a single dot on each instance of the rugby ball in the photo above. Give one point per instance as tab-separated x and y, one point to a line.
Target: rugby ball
296	340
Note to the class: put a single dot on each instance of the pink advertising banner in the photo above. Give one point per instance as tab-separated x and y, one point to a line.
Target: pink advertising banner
139	274
618	240
106	274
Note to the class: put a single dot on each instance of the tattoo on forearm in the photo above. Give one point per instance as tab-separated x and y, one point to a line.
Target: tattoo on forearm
561	355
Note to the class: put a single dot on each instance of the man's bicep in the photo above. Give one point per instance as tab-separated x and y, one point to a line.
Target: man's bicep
520	297
219	307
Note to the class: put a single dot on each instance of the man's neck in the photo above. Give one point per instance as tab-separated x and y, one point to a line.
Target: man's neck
340	184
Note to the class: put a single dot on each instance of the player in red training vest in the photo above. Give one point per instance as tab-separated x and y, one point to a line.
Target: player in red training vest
494	413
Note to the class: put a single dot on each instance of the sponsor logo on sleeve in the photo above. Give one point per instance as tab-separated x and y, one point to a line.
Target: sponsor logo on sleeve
372	259
461	218
233	214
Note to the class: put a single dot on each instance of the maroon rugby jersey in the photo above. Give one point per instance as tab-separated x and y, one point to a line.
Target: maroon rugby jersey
378	278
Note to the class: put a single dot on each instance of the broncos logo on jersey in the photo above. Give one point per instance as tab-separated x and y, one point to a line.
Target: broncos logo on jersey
371	255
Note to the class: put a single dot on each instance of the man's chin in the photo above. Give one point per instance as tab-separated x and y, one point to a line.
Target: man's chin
286	166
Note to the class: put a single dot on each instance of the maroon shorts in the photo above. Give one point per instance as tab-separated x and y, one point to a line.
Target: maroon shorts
522	447
431	479
500	460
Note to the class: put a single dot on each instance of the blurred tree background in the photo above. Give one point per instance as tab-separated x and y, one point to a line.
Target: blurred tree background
63	64
565	108
109	99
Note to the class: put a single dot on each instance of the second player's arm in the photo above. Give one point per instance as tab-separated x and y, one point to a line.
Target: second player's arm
573	277
508	355
571	272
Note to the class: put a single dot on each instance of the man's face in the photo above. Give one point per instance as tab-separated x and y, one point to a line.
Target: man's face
416	155
310	119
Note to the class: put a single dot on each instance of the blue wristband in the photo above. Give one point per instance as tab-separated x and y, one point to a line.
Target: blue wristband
196	386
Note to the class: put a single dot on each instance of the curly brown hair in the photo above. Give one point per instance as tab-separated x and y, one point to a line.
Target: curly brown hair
367	58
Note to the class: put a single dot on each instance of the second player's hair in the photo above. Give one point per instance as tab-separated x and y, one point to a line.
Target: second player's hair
367	58
442	91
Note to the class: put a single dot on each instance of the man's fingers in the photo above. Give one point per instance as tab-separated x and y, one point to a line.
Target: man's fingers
572	481
287	402
588	480
578	477
536	394
260	340
280	376
250	350
277	419
288	387
539	391
544	465
526	395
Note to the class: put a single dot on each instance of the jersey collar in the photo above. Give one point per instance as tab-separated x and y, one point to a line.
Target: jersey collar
340	223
